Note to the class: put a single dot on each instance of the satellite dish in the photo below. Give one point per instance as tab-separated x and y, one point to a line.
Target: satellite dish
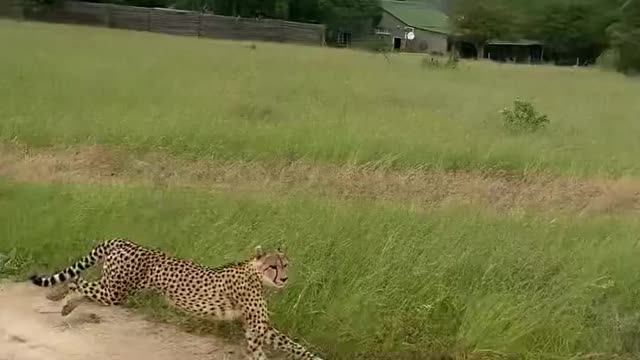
411	35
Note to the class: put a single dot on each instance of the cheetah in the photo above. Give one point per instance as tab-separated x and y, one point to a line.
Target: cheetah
229	292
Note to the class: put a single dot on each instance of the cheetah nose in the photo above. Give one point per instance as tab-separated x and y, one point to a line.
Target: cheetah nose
284	279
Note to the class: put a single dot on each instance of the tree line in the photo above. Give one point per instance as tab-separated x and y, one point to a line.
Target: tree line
586	31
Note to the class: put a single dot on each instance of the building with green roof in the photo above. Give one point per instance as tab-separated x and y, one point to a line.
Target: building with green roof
428	24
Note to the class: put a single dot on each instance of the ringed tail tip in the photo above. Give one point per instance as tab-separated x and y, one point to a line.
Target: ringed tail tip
36	279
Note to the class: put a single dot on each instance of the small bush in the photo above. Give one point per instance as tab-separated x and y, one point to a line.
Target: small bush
609	59
437	63
523	117
12	263
453	61
375	45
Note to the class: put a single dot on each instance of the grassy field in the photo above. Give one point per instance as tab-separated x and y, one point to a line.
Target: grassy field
368	279
193	135
225	100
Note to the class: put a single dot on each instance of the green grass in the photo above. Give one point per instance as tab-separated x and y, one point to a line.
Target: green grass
366	280
214	99
369	281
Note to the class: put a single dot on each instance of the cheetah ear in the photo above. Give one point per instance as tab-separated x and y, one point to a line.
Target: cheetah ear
281	249
259	252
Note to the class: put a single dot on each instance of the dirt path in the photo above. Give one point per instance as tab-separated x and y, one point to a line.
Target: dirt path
418	189
31	328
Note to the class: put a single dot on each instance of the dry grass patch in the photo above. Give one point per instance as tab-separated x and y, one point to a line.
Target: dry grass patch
497	191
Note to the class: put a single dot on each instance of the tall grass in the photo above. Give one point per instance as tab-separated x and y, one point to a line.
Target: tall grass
204	98
370	282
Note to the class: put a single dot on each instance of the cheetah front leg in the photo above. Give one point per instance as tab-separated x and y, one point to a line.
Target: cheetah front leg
259	331
283	343
255	339
254	319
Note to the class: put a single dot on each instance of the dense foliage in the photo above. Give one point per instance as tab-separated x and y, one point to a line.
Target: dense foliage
625	37
573	31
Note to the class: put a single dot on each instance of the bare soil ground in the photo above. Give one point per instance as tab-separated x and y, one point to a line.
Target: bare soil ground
500	192
31	328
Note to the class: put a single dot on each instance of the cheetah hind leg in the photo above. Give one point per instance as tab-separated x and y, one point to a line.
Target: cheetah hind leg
58	292
73	303
85	291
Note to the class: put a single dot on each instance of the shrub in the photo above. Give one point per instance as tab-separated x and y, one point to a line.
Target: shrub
609	59
375	45
523	117
435	62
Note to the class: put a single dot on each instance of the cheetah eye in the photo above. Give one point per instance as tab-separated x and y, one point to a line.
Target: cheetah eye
273	267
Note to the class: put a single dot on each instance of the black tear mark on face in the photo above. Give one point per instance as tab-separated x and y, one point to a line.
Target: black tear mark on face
273	267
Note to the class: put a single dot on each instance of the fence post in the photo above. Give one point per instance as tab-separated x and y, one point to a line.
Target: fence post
108	9
199	29
149	20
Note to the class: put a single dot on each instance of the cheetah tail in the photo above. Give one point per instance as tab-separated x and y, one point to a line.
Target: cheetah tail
73	271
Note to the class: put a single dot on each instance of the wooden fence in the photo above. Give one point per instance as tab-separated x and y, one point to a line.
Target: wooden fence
177	22
10	8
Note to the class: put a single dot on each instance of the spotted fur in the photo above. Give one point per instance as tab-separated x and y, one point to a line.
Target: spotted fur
230	292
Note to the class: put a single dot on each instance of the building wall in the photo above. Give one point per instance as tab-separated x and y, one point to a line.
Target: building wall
425	41
434	43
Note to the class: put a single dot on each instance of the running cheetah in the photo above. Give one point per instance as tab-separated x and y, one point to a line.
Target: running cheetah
230	292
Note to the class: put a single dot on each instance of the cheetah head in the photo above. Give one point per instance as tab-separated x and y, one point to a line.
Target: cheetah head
272	267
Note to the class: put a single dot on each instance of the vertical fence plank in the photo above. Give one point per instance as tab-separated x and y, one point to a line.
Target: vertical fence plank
107	15
149	20
199	31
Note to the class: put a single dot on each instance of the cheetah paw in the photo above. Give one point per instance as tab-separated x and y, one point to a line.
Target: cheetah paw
67	309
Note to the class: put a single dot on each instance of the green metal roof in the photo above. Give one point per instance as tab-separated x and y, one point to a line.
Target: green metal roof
418	14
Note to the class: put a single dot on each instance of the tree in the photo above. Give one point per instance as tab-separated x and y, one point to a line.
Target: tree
625	36
480	21
304	10
356	16
193	5
572	30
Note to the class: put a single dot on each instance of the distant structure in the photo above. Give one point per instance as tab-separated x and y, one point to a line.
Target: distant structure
412	26
514	51
429	25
